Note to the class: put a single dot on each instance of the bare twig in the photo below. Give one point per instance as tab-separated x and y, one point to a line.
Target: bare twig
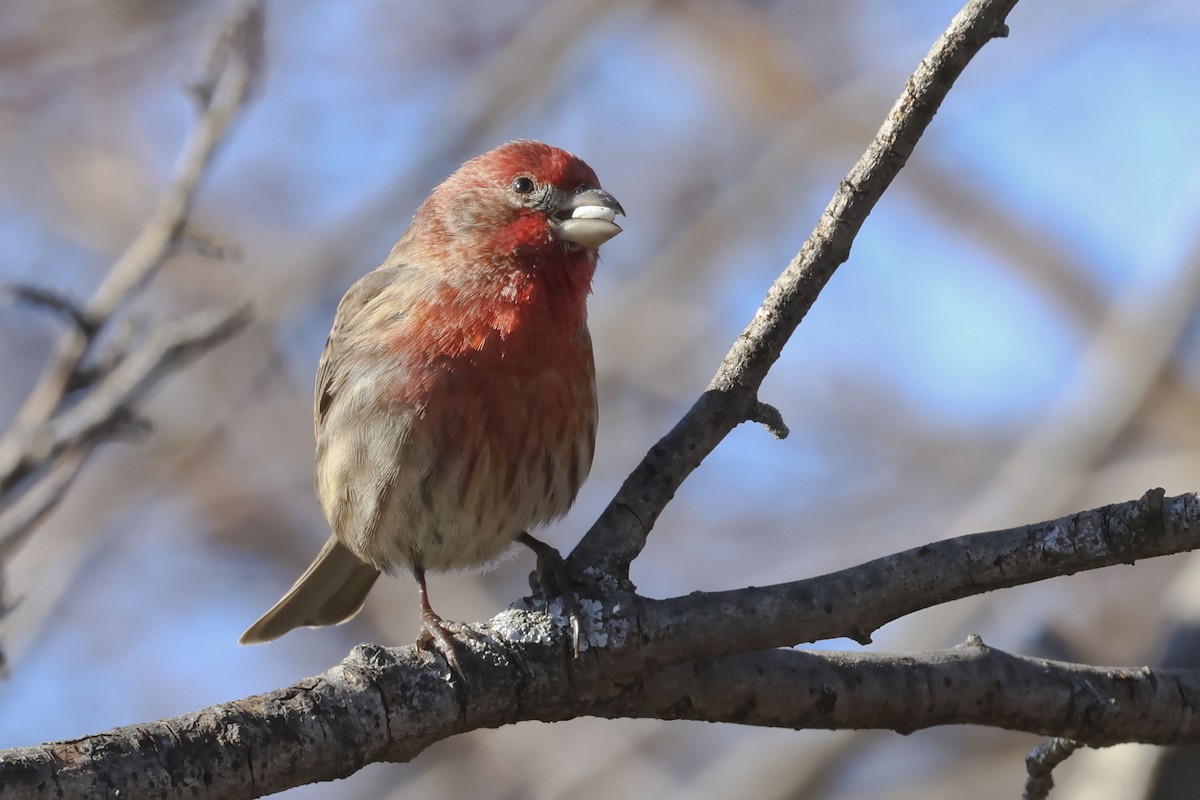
1040	764
164	348
229	89
208	244
19	518
620	533
52	435
58	303
65	441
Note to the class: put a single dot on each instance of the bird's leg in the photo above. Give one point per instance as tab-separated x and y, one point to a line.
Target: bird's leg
553	579
434	634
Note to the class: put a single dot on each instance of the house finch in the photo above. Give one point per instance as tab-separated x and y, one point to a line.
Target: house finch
456	397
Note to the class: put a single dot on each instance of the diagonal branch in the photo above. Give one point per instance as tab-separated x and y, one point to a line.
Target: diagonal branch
731	398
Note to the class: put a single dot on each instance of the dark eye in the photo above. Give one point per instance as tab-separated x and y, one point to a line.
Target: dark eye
523	185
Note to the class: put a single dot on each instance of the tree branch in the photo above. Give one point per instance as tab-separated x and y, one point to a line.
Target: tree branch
731	398
390	704
1040	764
54	432
855	602
971	684
65	441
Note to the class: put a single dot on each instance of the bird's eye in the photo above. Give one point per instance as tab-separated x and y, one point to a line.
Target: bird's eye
523	185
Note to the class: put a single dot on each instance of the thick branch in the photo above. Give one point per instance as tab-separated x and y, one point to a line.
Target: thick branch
620	533
968	685
386	705
389	705
855	602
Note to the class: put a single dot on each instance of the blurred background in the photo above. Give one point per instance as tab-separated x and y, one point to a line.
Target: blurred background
1014	338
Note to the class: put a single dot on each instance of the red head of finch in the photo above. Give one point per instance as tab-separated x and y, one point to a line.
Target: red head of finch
456	397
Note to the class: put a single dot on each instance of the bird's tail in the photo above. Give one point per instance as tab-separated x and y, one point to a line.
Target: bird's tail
330	591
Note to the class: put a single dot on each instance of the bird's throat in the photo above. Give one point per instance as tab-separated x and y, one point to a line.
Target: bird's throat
510	315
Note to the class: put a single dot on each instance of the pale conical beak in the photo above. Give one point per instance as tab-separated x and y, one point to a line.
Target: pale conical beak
586	218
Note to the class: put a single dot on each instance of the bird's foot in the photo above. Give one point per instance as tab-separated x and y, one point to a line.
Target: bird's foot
435	636
552	579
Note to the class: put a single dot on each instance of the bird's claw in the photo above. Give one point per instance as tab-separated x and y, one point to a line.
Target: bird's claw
435	636
552	578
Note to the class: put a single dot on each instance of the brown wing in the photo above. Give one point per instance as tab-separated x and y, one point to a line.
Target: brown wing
360	449
348	320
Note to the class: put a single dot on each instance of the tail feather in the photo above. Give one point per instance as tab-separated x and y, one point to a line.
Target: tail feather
330	591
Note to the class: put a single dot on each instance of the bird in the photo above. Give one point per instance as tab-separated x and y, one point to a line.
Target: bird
455	403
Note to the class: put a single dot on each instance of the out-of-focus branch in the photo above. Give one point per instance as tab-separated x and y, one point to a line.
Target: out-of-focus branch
620	533
64	441
32	505
390	704
58	425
